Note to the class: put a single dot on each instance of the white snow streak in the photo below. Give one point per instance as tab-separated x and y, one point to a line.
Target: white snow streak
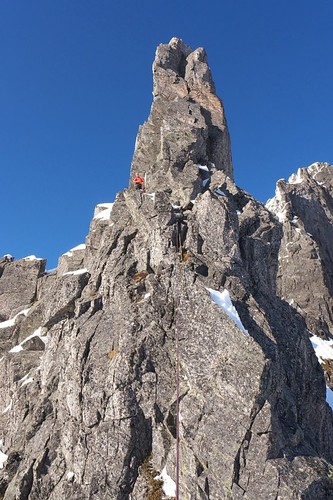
203	167
37	333
222	299
78	271
169	486
324	350
11	322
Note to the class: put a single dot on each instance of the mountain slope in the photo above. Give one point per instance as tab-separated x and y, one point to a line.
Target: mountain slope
90	351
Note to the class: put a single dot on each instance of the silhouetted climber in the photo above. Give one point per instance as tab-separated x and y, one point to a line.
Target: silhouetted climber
138	181
7	258
180	227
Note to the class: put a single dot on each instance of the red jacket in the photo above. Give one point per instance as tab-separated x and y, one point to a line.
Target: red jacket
138	180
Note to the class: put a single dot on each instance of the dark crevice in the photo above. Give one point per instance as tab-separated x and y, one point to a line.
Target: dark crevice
114	243
200	242
207	487
127	240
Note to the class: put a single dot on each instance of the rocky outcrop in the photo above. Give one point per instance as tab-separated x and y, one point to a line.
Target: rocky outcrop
92	372
18	284
186	126
304	206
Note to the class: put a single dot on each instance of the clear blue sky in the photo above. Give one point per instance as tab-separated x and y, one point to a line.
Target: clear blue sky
76	84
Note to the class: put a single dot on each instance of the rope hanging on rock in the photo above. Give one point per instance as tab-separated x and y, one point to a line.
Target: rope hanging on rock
179	270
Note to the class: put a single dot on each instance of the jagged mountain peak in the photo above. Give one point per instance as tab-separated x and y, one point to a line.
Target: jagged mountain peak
186	126
318	174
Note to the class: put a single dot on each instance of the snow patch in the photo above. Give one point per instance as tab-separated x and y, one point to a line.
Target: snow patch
296	178
32	257
203	167
70	476
78	271
277	205
220	192
3	458
322	348
82	246
169	486
37	333
223	300
205	182
11	322
106	212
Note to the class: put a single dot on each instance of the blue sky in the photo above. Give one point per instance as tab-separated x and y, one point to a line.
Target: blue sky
76	84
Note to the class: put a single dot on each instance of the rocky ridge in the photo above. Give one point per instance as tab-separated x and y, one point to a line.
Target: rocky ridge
89	399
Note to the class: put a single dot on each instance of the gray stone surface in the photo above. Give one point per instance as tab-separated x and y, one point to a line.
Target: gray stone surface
186	126
88	406
18	284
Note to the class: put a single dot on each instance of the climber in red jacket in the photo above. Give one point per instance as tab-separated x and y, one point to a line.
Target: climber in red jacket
138	181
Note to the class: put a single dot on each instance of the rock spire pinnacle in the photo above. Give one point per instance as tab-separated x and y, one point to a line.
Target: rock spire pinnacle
186	126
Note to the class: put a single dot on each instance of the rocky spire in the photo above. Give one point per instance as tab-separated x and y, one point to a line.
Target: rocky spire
228	293
304	207
186	126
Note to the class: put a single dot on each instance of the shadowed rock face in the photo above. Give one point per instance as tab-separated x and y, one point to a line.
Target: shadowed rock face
304	206
88	370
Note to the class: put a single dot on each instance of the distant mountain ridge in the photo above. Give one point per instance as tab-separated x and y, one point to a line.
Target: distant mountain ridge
170	355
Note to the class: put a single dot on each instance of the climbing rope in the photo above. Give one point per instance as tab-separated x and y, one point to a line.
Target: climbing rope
178	293
177	304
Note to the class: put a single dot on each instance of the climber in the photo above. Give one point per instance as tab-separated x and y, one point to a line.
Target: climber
138	181
179	227
8	258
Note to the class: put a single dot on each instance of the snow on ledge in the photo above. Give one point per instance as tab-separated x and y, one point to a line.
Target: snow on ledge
105	213
82	246
11	322
78	271
323	350
37	333
32	257
223	300
168	486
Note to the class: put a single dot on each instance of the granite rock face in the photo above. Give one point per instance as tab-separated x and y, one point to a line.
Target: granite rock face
89	356
304	206
186	126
